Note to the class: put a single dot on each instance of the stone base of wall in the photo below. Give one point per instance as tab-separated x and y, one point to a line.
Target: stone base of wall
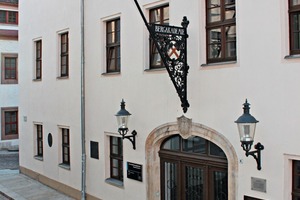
65	189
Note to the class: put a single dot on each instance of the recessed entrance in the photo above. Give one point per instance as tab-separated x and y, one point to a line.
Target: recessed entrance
162	133
191	169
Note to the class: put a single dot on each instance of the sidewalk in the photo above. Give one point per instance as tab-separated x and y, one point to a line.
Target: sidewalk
16	186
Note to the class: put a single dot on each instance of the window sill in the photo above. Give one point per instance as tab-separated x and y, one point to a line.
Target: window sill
36	80
156	69
292	56
9	82
111	73
114	182
40	158
62	77
219	63
64	166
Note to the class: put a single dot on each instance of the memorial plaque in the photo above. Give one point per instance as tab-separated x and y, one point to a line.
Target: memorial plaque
259	184
135	171
94	147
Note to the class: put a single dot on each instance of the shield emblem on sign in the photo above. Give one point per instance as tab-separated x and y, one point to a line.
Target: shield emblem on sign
184	126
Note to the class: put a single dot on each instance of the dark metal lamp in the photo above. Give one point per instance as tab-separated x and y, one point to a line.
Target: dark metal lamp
246	126
122	118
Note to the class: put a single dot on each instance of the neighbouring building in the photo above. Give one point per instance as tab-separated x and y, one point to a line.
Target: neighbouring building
9	87
79	59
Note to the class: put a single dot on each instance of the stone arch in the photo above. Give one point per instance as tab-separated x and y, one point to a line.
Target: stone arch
157	136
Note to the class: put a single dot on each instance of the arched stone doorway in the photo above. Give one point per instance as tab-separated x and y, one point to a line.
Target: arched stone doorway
158	135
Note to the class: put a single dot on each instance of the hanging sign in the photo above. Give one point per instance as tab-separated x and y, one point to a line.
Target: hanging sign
171	43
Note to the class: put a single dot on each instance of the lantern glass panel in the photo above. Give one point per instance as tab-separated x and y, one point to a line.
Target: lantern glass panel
246	131
123	121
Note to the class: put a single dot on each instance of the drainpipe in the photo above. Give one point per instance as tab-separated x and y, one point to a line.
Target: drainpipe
83	153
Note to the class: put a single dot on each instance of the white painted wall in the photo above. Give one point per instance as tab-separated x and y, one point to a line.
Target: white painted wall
216	93
53	102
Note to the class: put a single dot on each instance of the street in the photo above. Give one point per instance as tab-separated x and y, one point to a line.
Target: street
16	186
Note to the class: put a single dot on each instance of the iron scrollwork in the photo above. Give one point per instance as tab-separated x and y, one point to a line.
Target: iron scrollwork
171	43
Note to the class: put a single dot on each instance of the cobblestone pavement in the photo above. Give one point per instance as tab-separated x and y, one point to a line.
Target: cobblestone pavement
9	160
16	186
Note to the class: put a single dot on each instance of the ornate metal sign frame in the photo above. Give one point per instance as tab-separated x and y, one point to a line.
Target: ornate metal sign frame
171	43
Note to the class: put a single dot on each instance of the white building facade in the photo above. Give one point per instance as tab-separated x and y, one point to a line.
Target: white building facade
77	67
9	88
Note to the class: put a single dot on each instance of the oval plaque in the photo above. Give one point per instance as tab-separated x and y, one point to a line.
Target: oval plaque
50	140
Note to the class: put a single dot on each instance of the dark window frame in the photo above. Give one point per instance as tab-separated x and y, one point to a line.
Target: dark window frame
9	124
153	52
295	177
64	54
12	77
117	157
65	146
38	59
293	10
39	140
222	24
113	45
9	19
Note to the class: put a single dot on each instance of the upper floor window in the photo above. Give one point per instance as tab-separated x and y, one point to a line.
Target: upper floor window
294	15
64	55
113	52
159	15
116	158
38	59
8	17
220	30
9	123
9	69
296	180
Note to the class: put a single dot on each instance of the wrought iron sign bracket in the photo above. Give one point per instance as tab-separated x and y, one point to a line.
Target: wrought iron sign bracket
171	43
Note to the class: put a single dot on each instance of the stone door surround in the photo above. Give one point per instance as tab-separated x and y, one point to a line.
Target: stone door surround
186	128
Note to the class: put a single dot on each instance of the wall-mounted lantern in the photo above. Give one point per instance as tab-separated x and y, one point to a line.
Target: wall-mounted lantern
246	126
122	118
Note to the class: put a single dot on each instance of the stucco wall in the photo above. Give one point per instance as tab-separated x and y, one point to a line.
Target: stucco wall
215	93
52	102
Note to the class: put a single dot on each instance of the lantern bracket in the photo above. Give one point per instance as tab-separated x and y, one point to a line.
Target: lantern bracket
123	132
256	153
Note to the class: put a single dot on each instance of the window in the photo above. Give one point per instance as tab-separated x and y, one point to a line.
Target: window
296	180
64	55
8	17
9	69
220	30
38	60
116	158
65	146
39	140
294	14
158	15
113	53
9	123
